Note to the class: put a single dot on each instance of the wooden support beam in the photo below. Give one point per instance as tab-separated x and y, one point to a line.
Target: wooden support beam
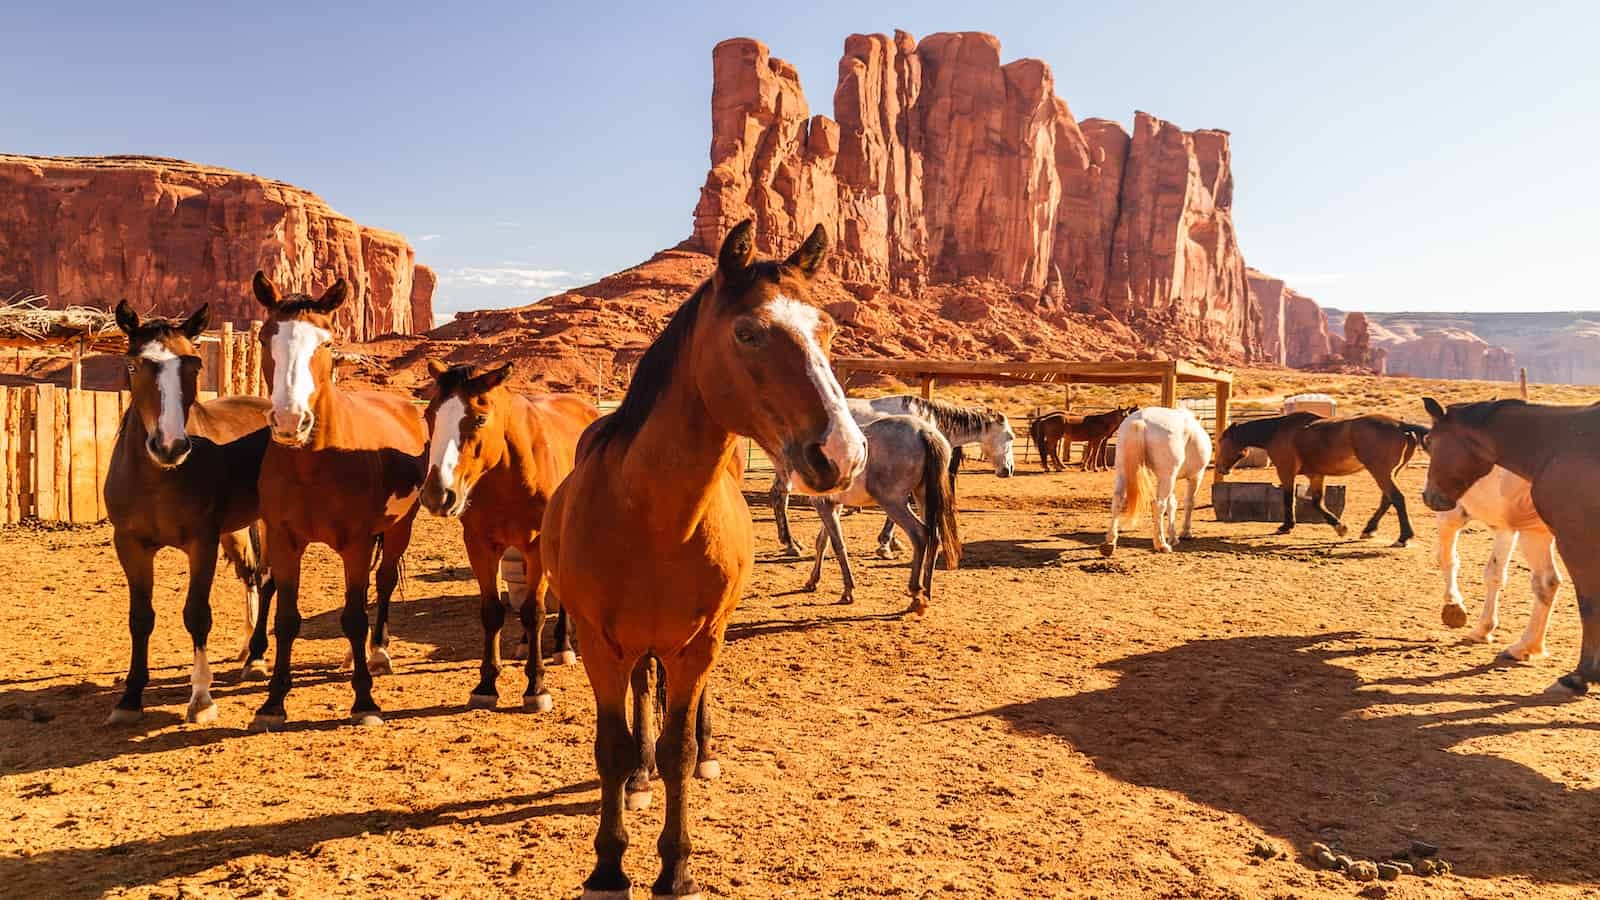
45	437
256	388
77	365
1224	394
1169	386
225	385
927	387
1067	407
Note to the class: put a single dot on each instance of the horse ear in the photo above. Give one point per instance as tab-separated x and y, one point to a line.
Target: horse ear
738	248
809	257
195	325
127	319
1433	408
266	291
334	297
493	378
437	368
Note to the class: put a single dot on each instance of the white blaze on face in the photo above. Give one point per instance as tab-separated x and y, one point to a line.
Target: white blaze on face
444	450
169	391
293	346
843	444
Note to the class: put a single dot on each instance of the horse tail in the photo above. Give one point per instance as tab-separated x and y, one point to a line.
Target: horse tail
1417	434
1036	431
938	496
1138	480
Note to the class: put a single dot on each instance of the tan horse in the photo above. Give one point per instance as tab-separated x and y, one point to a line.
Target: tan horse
345	469
1306	444
494	460
182	474
1557	448
1054	432
648	542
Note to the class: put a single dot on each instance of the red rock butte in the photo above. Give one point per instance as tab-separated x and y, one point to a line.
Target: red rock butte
942	163
167	235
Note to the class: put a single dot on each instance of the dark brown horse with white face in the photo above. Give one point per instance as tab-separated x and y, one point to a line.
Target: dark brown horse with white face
1557	449
1307	444
344	469
182	474
494	460
648	543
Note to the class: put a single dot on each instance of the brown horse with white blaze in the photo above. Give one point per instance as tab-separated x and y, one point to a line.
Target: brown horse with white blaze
494	460
182	474
1557	449
345	469
648	542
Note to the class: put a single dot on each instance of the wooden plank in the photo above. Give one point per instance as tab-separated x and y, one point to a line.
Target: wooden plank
927	387
254	365
85	489
63	454
8	486
1169	387
77	366
44	453
225	384
22	434
1224	394
107	417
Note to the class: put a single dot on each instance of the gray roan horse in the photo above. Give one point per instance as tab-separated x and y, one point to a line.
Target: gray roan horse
960	425
906	457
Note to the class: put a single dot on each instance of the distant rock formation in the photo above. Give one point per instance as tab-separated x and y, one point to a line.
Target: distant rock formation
1556	347
167	235
943	164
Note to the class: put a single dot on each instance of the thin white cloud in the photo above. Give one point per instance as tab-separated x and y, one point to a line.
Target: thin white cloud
430	237
516	278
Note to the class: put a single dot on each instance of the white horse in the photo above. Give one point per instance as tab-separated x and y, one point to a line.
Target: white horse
1156	447
1502	501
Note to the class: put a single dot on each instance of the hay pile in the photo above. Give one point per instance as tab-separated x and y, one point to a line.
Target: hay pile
25	321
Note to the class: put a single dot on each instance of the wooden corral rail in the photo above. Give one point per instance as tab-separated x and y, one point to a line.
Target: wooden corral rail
1167	373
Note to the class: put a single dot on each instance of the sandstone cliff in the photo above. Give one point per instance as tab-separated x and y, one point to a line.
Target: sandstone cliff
943	163
167	235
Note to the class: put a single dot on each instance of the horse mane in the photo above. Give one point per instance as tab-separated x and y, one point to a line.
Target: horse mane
1254	433
650	378
1478	414
955	417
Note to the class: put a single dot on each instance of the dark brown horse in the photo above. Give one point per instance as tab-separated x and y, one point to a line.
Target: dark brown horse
1307	444
494	460
182	474
648	542
1557	448
1055	431
344	469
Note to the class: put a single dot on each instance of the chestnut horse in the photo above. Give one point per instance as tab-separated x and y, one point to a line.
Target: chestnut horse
344	469
1557	449
1054	430
182	474
648	542
494	459
1305	443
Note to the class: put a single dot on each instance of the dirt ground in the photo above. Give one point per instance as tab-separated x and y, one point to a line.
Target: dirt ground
1056	726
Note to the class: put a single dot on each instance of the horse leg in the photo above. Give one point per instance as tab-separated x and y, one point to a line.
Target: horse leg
707	767
255	663
353	621
237	551
1161	512
395	542
1286	477
616	758
1119	491
284	558
1454	614
779	496
1538	548
676	750
197	620
1494	579
566	653
1339	527
1190	486
887	548
646	681
1398	498
1372	523
485	564
920	550
535	696
138	566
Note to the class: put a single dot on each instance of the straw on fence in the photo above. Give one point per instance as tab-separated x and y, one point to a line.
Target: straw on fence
25	321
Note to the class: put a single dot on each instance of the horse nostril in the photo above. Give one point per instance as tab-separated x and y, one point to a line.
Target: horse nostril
825	473
448	499
180	446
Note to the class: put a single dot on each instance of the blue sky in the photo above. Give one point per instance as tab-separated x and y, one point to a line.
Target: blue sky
1439	156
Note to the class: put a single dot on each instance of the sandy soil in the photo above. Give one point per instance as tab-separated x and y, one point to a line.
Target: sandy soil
1056	726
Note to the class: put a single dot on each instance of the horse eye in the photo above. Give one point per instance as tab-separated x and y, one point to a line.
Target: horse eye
480	421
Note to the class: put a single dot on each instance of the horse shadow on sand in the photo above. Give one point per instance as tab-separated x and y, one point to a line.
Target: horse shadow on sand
1272	728
91	872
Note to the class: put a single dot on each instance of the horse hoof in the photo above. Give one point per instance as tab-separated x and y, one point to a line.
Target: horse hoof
476	700
539	703
567	658
265	722
694	896
1163	548
637	800
1509	657
1572	685
847	599
708	770
1341	530
1284	529
201	715
809	587
378	662
1453	615
885	553
1402	543
255	670
120	716
1365	535
1107	549
592	894
366	720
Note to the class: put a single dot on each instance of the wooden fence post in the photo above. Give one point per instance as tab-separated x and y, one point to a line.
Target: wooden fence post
8	474
253	366
225	361
1522	378
1169	386
44	453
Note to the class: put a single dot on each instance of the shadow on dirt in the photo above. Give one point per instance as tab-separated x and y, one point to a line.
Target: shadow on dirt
1274	729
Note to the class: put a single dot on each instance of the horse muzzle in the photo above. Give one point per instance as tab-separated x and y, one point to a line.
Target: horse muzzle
1435	500
291	429
168	454
441	501
812	469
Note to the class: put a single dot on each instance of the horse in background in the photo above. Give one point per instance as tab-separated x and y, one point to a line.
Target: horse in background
1503	501
345	469
1054	431
906	457
494	460
1156	448
960	424
648	542
182	474
1557	450
1305	443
